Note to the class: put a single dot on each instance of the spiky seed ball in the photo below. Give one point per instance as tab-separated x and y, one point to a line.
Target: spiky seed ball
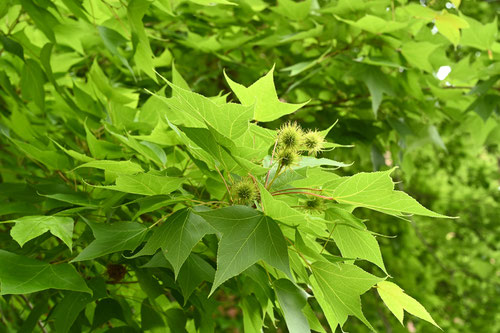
290	136
287	157
314	204
313	142
244	191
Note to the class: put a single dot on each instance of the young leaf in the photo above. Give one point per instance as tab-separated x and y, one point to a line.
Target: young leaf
29	227
23	275
352	241
145	184
194	110
177	237
417	54
376	191
341	285
121	167
247	237
263	95
375	24
480	36
449	25
397	301
111	238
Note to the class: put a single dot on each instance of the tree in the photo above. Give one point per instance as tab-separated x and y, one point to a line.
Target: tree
222	191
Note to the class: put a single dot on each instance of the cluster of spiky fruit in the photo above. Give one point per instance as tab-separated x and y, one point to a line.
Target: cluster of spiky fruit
292	141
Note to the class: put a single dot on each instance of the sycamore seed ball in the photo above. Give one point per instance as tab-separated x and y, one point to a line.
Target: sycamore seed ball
314	204
290	136
244	191
313	142
288	157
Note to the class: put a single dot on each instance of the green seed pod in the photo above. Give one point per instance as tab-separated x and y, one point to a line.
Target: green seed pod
287	157
290	136
244	191
313	142
314	204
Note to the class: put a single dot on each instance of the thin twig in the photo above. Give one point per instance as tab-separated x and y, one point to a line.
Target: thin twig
39	322
225	183
308	193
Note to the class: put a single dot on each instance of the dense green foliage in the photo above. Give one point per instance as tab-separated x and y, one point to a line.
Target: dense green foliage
247	165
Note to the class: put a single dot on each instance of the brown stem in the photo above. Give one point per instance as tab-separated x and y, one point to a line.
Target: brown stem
308	193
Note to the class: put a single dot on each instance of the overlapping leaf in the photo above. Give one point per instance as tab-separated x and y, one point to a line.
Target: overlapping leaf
23	275
177	236
247	237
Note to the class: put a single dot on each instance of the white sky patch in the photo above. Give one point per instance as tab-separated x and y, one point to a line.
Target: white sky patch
434	30
443	72
449	5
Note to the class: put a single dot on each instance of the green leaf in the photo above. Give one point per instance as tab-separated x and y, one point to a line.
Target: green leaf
352	241
397	301
194	110
12	46
213	2
281	211
263	95
111	238
377	84
143	55
252	316
178	80
193	272
417	54
342	285
449	25
67	310
23	275
150	319
176	319
43	19
51	159
32	81
247	237
112	40
145	184
177	237
297	11
30	227
375	191
292	300
478	35
375	24
121	167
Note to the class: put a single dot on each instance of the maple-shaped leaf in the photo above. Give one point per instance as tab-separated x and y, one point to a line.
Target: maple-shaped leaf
262	93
